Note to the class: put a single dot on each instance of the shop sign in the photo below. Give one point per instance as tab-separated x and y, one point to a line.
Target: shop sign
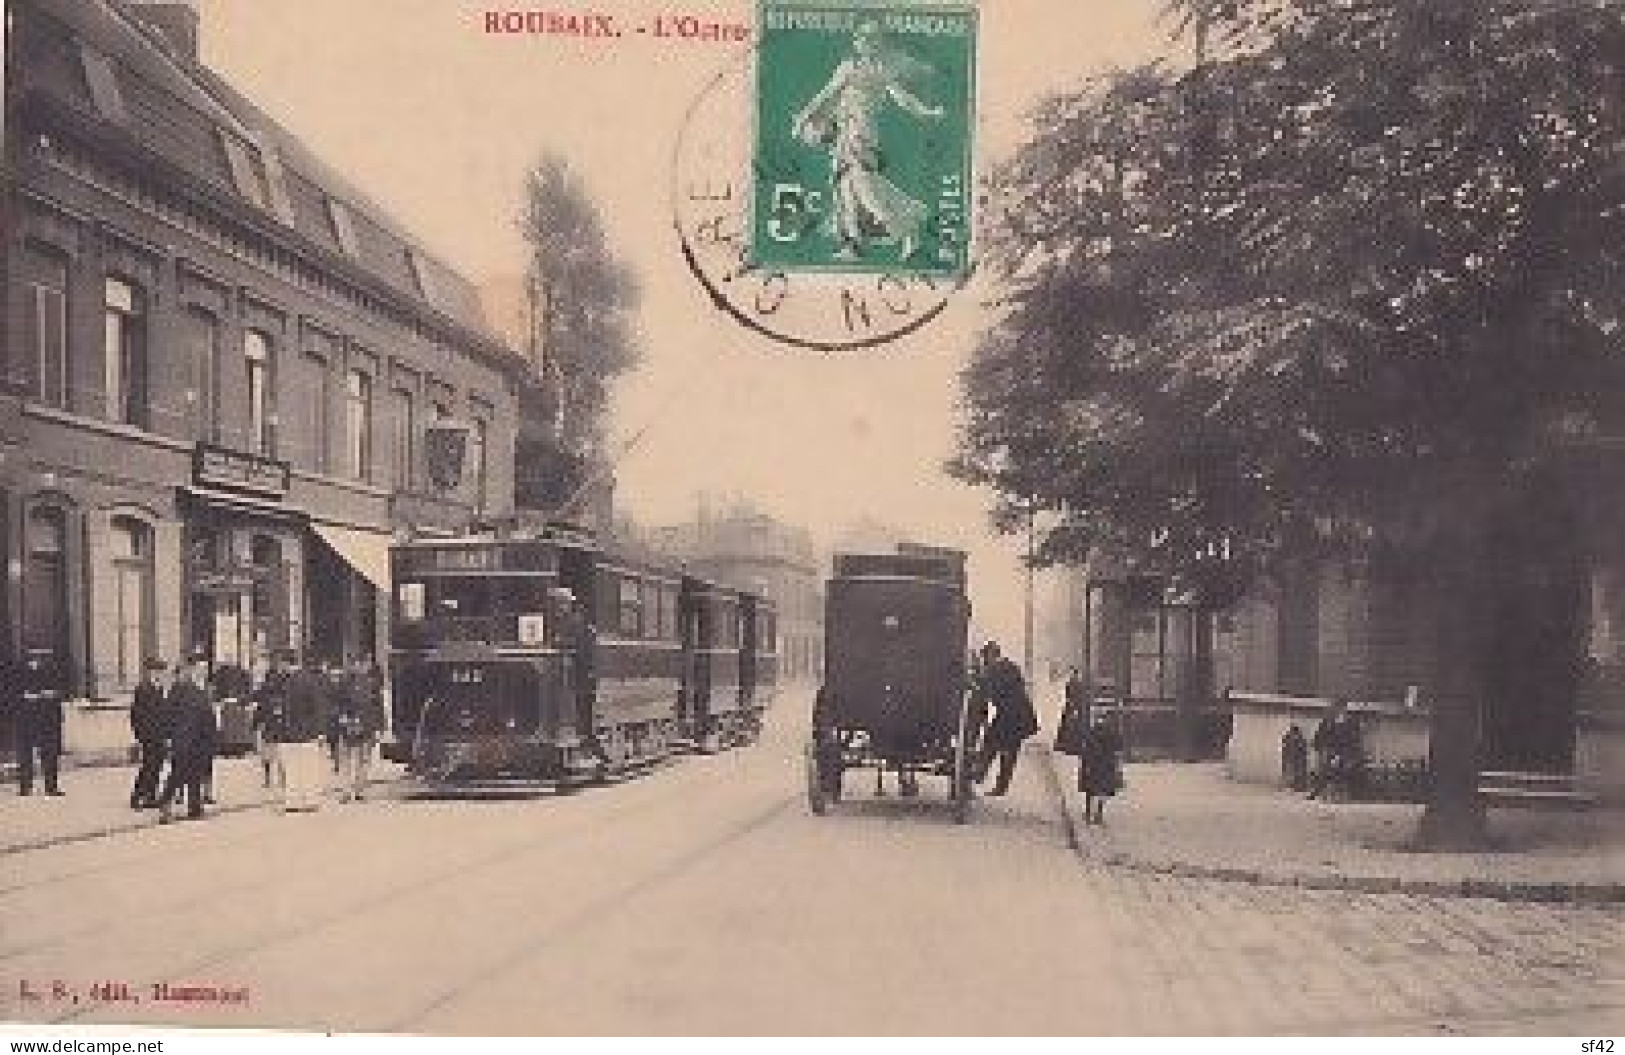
239	470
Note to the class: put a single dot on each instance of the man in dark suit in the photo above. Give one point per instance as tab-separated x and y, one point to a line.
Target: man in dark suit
1014	720
270	717
192	740
150	724
41	693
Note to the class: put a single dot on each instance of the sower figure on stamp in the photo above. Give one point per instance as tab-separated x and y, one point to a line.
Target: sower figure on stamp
192	740
41	694
1013	717
845	117
150	724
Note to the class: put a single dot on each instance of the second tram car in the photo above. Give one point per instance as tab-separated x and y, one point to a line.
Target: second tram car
549	658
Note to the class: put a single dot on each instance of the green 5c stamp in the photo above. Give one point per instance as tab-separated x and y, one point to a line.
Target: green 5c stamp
862	151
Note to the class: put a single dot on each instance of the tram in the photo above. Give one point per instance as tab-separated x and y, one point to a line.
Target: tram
550	658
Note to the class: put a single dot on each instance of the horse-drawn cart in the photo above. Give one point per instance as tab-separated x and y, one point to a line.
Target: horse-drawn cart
894	696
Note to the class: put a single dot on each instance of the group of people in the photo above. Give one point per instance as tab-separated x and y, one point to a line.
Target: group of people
997	683
175	720
1339	750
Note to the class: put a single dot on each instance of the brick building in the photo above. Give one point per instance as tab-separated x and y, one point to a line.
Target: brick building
230	377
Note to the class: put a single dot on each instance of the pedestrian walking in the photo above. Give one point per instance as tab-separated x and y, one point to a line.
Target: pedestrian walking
1075	697
1294	758
151	724
270	718
305	719
360	720
41	694
192	740
1014	720
1100	770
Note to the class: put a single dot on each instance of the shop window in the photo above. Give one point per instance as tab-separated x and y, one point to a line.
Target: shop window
45	584
124	367
44	316
261	406
268	598
131	544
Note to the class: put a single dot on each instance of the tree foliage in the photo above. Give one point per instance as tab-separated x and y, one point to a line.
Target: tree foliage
1348	286
582	301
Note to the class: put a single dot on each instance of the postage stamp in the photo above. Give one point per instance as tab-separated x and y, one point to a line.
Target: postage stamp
864	113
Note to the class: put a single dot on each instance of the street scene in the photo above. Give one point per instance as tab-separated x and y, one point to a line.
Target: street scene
703	898
814	518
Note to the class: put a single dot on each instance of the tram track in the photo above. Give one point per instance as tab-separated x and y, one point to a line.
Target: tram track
378	901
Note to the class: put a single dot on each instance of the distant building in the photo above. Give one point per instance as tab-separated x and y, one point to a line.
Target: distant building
230	378
754	551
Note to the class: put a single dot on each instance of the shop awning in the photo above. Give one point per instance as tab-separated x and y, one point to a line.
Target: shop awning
365	551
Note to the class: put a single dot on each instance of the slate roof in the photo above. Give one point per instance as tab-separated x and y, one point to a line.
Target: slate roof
109	66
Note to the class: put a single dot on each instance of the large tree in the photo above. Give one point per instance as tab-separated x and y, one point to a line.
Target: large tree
582	302
1349	286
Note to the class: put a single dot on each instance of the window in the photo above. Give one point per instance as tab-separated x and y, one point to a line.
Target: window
261	410
357	424
629	608
202	337
44	317
405	439
318	393
476	460
125	354
132	590
45	582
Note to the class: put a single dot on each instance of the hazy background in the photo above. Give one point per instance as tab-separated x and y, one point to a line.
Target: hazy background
438	121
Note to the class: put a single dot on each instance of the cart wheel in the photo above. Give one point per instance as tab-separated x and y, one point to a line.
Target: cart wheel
962	789
815	778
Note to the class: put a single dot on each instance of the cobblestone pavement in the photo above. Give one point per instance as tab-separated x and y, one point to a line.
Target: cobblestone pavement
703	898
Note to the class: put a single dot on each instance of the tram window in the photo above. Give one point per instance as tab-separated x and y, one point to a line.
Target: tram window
649	605
460	598
522	596
668	613
629	608
411	598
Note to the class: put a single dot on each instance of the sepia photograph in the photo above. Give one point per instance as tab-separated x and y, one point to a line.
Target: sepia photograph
813	518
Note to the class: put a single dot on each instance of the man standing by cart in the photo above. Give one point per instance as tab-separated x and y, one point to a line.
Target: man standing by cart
1014	719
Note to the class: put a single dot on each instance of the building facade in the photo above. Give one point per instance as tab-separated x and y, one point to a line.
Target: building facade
230	379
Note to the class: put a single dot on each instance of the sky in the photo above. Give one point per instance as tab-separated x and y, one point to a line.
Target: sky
437	120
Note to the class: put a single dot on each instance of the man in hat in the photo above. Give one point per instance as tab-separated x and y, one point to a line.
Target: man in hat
305	719
192	739
271	716
41	693
150	723
1014	719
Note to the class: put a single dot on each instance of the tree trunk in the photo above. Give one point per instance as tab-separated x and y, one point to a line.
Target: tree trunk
1454	818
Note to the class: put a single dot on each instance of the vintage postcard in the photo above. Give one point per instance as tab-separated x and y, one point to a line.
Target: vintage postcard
898	518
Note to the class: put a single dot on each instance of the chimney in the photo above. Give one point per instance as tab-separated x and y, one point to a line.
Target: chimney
176	22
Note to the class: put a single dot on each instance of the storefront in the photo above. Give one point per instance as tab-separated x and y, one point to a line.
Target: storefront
244	559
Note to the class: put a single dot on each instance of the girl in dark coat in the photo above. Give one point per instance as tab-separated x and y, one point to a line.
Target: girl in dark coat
1100	770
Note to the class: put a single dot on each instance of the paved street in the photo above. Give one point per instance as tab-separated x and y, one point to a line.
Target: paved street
703	898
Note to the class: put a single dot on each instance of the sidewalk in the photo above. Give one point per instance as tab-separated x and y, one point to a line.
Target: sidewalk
97	803
1191	820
